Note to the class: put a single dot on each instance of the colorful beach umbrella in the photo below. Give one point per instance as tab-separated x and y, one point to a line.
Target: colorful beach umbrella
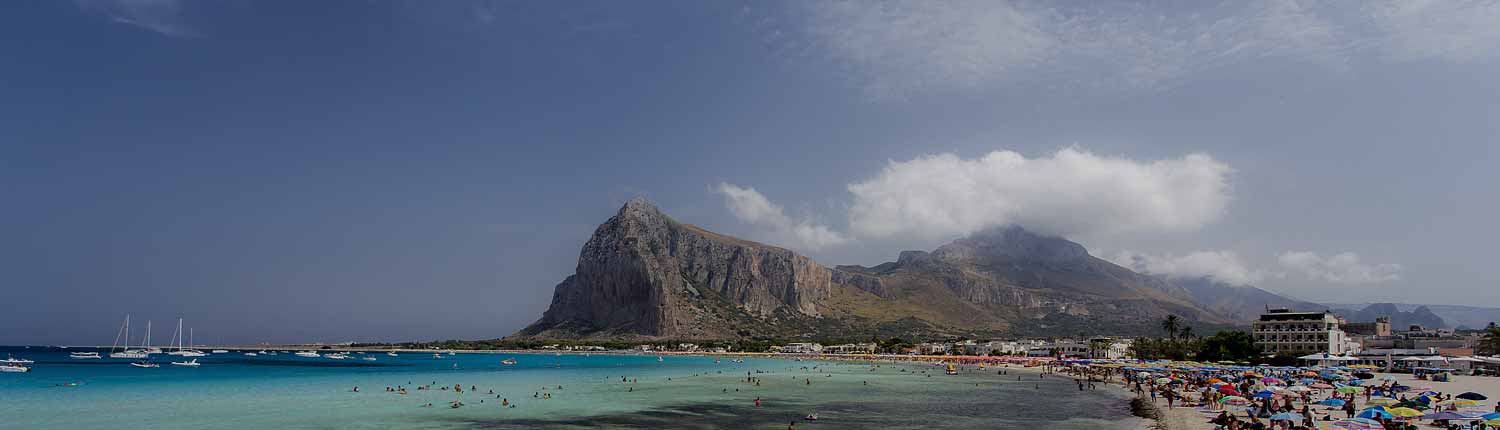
1405	412
1349	389
1494	416
1374	414
1445	415
1472	396
1332	402
1321	386
1381	401
1234	400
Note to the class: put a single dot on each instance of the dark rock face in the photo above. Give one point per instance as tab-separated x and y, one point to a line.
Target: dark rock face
1400	320
646	274
643	274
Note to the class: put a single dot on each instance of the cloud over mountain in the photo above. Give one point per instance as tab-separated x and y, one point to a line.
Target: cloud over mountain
752	207
1341	268
1071	192
1221	265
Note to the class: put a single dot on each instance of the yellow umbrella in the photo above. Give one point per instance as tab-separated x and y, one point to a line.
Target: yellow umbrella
1383	401
1405	412
1493	423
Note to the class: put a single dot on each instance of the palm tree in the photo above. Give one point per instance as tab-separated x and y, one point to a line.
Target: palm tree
1170	324
1187	332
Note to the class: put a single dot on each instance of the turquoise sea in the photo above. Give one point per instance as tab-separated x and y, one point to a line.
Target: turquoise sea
288	392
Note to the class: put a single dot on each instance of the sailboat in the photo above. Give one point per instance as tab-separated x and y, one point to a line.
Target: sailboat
125	352
147	344
182	350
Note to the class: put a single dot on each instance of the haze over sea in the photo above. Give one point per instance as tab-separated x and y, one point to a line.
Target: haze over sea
290	392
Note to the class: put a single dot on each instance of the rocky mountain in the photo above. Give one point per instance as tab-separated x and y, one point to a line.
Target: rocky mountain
1237	302
643	274
1400	320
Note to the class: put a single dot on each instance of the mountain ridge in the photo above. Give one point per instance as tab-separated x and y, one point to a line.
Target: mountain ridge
643	274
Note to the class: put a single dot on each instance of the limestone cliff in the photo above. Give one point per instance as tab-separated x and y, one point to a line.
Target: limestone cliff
643	273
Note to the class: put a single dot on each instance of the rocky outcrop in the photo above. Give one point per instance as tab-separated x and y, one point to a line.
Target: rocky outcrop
644	273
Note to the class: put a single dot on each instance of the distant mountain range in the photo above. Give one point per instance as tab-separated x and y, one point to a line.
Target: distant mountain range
645	275
1451	315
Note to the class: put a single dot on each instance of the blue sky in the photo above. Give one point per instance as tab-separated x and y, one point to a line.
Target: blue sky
333	171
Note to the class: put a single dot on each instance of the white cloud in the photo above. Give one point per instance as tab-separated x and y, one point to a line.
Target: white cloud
1343	268
750	206
895	47
1223	266
161	16
1071	192
1449	30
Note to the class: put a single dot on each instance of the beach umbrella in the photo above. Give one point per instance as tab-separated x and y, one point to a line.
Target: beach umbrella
1494	416
1349	389
1405	412
1445	415
1364	375
1492	423
1299	389
1374	414
1265	395
1234	400
1472	396
1274	380
1332	402
1163	380
1321	386
1382	401
1359	424
1411	405
1228	389
1287	416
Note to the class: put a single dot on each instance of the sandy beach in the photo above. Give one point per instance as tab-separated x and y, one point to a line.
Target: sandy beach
1196	418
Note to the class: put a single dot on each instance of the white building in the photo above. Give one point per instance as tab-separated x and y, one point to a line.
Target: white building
802	348
1283	331
851	348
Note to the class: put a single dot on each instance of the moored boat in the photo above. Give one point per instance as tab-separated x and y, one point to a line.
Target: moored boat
92	355
189	363
14	369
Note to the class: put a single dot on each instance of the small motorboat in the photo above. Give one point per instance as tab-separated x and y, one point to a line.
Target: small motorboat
337	356
220	351
391	354
84	356
251	354
12	361
308	354
811	417
189	363
14	369
367	358
508	362
436	356
145	364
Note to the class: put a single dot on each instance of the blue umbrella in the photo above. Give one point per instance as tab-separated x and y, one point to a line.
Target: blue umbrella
1286	416
1332	402
1374	414
1265	395
1494	416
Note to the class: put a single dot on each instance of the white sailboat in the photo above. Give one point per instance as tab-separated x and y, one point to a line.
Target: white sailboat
125	351
147	343
182	350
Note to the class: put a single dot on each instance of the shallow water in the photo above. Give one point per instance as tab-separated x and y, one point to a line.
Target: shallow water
284	391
